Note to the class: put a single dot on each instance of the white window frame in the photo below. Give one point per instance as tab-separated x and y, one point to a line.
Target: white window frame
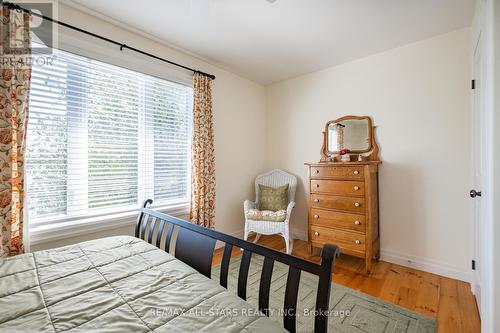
58	227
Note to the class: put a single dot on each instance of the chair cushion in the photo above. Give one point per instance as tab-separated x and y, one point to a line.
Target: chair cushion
266	215
273	199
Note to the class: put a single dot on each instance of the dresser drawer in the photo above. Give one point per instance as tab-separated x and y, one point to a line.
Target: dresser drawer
339	187
349	204
328	218
347	172
344	239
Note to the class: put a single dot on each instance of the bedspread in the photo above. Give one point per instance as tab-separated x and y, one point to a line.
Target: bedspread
117	284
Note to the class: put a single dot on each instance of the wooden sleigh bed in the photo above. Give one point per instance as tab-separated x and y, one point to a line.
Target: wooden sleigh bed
134	284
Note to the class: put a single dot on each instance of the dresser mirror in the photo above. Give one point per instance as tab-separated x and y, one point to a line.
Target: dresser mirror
352	133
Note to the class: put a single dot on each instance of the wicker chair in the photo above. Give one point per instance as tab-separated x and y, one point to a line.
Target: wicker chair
273	178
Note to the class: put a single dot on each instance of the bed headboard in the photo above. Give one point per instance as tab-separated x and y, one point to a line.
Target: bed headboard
195	246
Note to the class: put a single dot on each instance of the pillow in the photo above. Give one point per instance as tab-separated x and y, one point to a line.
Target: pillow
266	215
273	199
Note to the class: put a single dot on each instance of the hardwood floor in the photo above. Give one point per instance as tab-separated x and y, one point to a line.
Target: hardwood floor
449	301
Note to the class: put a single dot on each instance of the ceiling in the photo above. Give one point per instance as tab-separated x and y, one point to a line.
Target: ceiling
268	41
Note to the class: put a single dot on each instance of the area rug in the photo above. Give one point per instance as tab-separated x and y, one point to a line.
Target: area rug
350	311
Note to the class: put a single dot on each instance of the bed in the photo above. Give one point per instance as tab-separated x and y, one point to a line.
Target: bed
133	284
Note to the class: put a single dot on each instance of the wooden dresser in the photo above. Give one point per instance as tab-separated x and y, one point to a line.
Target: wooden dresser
343	207
343	189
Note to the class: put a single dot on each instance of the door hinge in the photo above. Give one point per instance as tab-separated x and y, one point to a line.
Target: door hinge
473	265
473	84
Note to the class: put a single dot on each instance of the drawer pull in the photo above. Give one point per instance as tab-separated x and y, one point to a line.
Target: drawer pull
317	185
356	188
357	222
316	216
357	242
316	200
316	234
356	172
317	171
357	204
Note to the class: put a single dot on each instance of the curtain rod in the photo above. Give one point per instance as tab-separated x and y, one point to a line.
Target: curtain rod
121	45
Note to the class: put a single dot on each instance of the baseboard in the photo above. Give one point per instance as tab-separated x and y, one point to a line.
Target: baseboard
295	234
425	264
237	234
299	234
407	260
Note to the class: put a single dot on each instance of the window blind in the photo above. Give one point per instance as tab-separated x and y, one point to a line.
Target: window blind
103	138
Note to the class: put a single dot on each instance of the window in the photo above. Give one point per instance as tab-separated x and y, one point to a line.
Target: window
102	138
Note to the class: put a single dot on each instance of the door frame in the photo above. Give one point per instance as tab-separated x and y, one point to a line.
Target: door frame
482	37
477	118
479	151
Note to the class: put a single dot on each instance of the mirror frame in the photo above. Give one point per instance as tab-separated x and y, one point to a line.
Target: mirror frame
370	134
327	155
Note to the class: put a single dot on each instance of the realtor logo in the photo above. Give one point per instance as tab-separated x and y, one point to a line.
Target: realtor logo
41	31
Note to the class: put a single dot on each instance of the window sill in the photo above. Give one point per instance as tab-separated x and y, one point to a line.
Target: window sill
52	232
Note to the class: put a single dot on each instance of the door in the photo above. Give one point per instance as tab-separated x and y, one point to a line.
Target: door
479	171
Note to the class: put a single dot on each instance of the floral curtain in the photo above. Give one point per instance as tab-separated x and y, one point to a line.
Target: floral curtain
15	45
203	157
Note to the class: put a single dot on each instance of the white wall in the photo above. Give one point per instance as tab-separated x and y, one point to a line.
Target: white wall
239	110
419	98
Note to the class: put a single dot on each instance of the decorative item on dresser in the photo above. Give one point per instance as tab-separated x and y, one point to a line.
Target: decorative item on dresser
343	196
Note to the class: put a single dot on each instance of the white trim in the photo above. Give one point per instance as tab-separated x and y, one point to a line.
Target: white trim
299	234
42	223
426	265
407	260
52	232
488	283
237	234
483	26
